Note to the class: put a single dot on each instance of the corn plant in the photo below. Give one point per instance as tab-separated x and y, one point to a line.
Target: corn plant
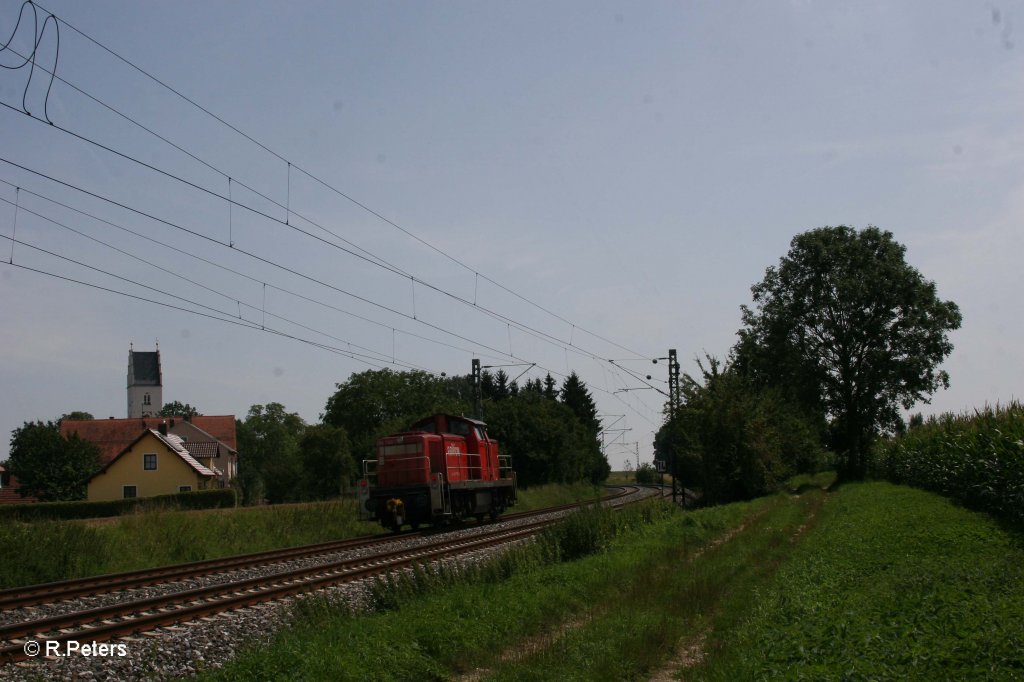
977	459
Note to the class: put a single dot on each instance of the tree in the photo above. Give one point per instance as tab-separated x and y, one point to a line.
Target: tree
49	466
577	398
550	390
178	409
77	415
646	474
546	441
327	463
734	440
270	465
846	326
375	402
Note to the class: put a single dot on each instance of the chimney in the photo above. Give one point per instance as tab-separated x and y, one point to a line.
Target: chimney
163	428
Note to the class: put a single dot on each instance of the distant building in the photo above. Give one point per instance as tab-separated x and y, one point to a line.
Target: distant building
10	492
155	463
210	439
145	384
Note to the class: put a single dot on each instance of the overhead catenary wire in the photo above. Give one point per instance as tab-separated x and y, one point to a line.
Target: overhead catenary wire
525	329
255	256
261	259
374	355
288	212
369	257
238	273
372	258
334	189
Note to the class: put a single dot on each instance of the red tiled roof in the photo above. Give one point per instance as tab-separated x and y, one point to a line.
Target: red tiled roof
9	494
112	436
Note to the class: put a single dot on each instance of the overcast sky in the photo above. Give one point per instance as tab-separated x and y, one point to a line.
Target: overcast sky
625	171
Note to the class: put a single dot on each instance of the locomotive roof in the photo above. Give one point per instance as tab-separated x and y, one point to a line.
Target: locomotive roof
449	417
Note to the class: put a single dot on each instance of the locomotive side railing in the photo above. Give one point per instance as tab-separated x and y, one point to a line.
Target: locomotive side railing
468	469
370	471
505	466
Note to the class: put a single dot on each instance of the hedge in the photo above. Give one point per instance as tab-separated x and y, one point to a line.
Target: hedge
198	499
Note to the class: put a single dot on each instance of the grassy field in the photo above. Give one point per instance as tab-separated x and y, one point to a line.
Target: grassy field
45	551
873	581
896	584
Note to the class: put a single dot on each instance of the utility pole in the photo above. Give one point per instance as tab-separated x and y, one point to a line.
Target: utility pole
673	405
478	398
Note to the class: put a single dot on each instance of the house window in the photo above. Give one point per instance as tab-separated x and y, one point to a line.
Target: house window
130	491
184	488
149	461
145	399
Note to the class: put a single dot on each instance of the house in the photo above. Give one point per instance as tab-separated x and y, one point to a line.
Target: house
156	462
211	440
10	492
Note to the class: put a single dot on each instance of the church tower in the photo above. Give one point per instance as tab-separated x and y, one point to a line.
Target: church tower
145	383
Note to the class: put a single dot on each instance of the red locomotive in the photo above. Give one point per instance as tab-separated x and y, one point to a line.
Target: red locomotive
443	468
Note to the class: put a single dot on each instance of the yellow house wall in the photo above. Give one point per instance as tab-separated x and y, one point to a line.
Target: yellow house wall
171	471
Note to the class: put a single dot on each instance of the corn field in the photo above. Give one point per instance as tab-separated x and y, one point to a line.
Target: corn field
976	459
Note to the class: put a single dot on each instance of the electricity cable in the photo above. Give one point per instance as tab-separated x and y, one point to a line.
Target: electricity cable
333	189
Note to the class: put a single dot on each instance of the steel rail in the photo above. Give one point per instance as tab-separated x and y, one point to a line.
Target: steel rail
154	612
148	614
45	593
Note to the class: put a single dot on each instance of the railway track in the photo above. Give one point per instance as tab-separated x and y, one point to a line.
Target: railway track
132	616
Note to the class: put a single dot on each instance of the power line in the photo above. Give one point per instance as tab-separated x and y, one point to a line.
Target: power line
238	273
523	328
369	257
258	258
335	190
377	357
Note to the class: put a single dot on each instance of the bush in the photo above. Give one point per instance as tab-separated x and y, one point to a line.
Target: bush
199	499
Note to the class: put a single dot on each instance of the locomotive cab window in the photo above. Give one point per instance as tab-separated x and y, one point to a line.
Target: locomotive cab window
459	428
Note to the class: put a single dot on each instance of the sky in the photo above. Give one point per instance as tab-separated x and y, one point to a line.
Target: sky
300	191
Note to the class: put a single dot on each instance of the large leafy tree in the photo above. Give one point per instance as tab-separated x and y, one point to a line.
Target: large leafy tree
270	464
375	402
845	325
49	466
327	461
546	441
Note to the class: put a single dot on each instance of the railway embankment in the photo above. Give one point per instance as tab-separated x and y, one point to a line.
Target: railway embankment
872	580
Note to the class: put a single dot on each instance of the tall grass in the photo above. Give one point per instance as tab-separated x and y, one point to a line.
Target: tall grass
565	612
976	459
45	551
588	531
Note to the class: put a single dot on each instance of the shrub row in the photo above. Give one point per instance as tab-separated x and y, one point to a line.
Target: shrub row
976	459
198	499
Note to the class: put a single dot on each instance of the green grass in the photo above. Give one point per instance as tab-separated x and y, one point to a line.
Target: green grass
588	619
552	494
46	551
873	581
894	584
